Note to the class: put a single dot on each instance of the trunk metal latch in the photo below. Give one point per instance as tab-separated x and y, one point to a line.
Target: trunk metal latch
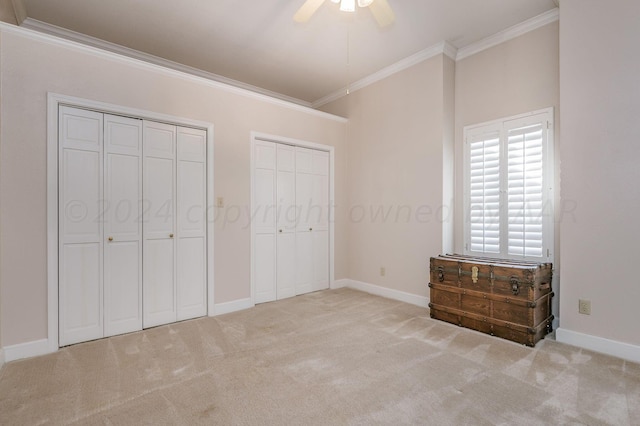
515	285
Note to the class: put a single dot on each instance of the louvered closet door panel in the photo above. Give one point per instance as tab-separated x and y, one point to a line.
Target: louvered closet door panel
123	225
159	272
192	227
286	218
264	221
80	225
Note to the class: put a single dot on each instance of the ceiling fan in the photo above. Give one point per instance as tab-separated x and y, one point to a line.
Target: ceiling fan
380	9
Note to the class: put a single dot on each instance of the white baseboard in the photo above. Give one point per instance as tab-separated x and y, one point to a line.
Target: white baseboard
236	305
27	350
599	344
340	284
42	347
401	296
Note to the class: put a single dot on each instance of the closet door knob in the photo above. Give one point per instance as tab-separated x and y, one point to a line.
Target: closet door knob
310	229
280	231
110	238
170	235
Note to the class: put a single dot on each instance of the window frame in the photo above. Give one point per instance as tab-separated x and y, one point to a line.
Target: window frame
502	126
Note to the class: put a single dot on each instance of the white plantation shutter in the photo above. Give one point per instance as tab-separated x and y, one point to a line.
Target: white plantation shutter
525	190
484	192
508	187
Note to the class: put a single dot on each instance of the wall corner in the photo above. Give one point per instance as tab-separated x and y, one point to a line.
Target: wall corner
448	154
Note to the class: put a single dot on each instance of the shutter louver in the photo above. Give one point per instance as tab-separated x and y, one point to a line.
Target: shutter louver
484	193
525	194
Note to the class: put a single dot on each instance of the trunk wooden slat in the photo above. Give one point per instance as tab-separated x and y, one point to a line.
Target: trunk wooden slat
506	298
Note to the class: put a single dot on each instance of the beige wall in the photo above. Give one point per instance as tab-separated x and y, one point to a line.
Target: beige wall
1	205
518	76
600	92
395	168
7	13
515	77
32	68
405	150
448	154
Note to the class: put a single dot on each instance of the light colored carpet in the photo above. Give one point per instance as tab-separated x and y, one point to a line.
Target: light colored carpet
332	357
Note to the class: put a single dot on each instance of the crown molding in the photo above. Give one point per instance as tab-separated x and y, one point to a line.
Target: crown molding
438	49
447	49
444	47
43	27
510	33
179	73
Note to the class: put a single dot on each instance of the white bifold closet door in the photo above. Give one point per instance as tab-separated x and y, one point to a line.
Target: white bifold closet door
100	245
312	236
122	225
191	260
159	223
80	204
290	221
286	222
132	224
175	223
264	221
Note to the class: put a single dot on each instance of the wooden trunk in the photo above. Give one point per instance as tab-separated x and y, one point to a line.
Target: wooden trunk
506	298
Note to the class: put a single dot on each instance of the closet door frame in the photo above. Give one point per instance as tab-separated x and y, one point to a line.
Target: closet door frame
54	103
257	137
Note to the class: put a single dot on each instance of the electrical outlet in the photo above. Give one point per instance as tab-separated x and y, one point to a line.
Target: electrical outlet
584	307
383	271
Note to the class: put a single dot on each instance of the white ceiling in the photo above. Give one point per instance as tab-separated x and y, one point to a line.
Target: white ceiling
256	41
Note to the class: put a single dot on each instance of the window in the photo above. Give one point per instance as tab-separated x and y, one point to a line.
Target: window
509	187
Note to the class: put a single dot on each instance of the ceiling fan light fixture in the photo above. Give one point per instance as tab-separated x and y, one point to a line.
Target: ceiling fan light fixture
380	10
348	5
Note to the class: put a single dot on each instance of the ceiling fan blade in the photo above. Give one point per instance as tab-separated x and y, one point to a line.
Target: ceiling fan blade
382	12
307	10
